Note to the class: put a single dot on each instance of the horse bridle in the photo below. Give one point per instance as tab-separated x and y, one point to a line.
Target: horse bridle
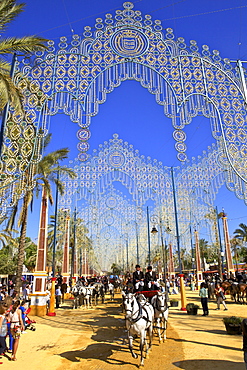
159	306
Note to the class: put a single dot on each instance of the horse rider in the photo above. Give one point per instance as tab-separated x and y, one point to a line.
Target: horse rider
151	279
138	279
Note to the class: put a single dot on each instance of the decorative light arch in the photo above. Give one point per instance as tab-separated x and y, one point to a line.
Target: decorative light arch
76	75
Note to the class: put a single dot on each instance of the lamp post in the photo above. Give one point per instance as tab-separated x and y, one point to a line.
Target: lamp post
163	246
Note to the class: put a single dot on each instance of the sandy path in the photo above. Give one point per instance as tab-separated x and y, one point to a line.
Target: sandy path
95	339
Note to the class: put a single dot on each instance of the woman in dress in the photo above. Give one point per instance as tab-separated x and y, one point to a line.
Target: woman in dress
16	327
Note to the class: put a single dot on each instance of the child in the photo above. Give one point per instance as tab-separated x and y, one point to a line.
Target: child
3	330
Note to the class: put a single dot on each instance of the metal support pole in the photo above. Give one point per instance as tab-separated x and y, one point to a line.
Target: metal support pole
55	232
127	254
73	247
176	221
192	251
149	243
163	250
6	108
137	246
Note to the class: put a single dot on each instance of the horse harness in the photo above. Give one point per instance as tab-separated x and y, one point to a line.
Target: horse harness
140	315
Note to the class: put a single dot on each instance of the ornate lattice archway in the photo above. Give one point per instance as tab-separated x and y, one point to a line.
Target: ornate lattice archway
76	75
147	181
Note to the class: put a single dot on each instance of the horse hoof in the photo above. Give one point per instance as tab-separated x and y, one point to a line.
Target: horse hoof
141	365
147	356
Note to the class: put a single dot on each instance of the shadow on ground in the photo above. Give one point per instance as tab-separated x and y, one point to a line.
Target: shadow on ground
97	351
206	364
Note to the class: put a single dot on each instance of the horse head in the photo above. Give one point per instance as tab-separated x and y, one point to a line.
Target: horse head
129	303
161	303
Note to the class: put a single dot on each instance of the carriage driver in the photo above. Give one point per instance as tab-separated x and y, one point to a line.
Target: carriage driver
151	279
138	279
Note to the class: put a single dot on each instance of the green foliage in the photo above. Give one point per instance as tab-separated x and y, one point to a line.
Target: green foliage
116	269
8	263
234	320
191	306
9	10
241	233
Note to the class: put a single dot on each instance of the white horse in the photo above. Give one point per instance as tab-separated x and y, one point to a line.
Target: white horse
161	311
139	319
86	293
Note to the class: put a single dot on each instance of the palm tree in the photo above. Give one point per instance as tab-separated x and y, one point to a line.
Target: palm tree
5	233
9	10
241	233
46	174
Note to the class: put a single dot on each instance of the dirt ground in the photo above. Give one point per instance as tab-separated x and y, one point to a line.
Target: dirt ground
95	339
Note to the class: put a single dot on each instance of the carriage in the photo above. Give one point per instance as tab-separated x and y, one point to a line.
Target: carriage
148	293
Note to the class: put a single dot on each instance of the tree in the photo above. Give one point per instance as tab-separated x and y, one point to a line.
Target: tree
241	233
116	269
45	175
8	263
5	233
9	10
82	239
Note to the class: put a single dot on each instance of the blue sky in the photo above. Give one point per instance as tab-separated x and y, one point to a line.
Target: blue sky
131	111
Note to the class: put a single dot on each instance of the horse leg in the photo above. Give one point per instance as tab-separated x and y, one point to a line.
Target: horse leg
150	337
159	324
164	328
142	343
130	338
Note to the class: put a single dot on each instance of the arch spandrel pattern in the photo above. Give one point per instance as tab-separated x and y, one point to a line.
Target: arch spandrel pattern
76	75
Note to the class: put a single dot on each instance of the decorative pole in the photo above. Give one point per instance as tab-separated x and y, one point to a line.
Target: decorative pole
127	252
181	275
171	263
137	246
198	260
229	264
221	257
65	267
55	232
38	297
74	275
149	243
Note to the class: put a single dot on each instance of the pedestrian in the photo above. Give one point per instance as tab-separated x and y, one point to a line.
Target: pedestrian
48	297
3	330
16	327
220	297
23	309
8	302
244	329
203	293
58	295
64	288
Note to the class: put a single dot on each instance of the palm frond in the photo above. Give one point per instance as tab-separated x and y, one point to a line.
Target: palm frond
26	44
8	12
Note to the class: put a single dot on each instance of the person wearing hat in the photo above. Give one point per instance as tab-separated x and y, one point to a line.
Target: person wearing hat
151	279
138	279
